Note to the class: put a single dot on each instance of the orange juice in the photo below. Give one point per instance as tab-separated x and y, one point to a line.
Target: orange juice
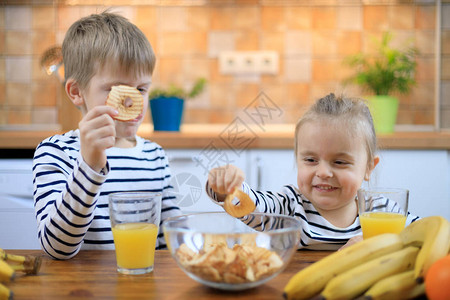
135	244
374	223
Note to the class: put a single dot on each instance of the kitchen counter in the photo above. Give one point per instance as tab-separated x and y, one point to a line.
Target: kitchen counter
92	274
236	135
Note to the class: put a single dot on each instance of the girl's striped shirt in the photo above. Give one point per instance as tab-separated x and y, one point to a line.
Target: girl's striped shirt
71	200
316	232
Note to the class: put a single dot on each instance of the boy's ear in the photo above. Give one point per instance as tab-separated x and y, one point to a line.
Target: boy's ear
370	167
74	92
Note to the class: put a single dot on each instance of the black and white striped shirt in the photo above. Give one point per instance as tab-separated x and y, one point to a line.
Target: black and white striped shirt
71	200
317	233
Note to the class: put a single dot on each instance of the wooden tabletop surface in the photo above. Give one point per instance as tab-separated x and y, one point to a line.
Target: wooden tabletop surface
93	275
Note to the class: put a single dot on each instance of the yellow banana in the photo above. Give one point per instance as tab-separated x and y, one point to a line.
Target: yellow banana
399	286
311	280
355	281
6	272
5	293
11	257
431	234
28	263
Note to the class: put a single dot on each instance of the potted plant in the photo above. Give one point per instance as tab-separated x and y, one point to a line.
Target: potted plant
387	72
167	104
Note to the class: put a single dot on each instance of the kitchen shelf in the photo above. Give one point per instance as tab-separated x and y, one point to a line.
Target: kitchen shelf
225	136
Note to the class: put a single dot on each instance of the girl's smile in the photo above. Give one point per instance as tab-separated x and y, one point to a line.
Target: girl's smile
324	188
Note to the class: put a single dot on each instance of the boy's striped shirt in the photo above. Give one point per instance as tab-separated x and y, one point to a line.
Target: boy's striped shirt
71	200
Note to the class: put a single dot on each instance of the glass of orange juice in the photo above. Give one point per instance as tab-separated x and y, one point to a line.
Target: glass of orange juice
382	210
135	218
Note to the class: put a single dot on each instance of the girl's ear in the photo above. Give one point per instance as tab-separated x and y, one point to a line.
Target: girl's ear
74	92
370	167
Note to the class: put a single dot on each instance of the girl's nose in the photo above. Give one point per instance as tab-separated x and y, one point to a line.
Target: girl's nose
323	171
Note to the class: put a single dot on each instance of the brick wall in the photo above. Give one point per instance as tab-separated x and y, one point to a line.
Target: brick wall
311	41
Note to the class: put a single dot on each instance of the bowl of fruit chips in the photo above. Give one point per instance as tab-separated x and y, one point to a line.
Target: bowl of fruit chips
230	253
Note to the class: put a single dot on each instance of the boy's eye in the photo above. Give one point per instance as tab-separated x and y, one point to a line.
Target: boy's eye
142	90
341	162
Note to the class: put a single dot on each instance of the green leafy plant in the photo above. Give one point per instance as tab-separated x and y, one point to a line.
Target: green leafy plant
176	91
390	70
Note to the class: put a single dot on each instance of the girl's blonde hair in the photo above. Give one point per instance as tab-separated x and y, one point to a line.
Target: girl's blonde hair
353	111
100	39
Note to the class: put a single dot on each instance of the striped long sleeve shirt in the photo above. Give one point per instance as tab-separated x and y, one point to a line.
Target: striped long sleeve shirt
316	233
71	200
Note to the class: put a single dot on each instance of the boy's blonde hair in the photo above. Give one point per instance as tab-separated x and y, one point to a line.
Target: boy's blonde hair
352	111
105	38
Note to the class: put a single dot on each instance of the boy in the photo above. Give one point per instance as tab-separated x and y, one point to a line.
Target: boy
75	172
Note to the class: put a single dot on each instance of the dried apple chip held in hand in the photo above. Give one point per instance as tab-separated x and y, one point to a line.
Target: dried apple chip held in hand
238	204
127	100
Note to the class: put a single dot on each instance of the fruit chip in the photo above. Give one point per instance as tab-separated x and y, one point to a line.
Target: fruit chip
217	262
127	100
238	204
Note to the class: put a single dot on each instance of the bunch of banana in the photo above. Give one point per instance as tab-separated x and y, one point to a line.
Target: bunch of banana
26	263
387	266
10	264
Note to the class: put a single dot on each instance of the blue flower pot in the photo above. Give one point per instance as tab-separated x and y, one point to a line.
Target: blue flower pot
167	113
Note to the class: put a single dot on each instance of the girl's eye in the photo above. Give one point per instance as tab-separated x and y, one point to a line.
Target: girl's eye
340	162
142	90
309	160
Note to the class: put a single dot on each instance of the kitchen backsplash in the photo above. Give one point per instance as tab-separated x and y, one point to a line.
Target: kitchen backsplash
310	40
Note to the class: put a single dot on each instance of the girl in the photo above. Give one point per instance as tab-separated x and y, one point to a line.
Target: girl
335	146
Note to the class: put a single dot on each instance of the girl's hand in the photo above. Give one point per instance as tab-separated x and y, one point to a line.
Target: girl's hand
97	133
352	241
223	180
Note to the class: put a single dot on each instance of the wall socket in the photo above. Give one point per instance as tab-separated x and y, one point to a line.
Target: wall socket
248	62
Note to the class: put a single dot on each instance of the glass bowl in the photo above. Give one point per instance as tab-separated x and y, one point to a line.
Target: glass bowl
226	253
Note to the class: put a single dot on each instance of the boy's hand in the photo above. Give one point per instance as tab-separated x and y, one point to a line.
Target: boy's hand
97	133
223	180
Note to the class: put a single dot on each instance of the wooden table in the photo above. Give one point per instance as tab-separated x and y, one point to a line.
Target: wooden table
93	275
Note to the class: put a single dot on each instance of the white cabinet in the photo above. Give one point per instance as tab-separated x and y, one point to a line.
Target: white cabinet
426	173
271	169
17	221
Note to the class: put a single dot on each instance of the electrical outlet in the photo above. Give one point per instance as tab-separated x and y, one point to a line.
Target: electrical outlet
268	62
228	62
248	62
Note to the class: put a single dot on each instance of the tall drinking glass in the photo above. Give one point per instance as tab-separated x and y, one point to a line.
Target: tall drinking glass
382	210
135	218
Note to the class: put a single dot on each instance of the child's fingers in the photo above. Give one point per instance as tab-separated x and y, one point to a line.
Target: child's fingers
235	183
98	136
225	179
99	116
97	122
212	180
101	110
229	180
233	179
216	180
